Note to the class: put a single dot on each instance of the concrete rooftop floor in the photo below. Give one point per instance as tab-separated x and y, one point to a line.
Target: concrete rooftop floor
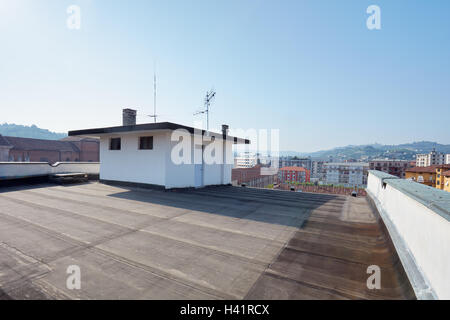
213	243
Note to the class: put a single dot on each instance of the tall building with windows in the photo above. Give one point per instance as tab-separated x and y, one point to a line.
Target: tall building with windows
347	173
430	159
246	160
318	170
296	162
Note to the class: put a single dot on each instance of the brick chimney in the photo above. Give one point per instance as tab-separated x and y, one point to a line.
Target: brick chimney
225	129
129	117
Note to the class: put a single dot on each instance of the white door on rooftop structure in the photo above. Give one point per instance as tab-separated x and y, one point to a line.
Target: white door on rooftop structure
199	169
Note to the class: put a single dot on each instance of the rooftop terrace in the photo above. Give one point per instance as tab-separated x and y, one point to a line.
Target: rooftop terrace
212	243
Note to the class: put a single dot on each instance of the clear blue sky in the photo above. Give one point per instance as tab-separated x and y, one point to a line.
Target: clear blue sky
309	68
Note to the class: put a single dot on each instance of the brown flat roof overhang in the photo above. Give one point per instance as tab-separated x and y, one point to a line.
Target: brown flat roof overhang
150	127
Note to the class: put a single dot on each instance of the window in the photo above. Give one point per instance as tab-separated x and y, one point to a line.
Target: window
146	143
114	144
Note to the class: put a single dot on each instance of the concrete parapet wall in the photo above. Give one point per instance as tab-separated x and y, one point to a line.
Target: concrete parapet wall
17	170
418	220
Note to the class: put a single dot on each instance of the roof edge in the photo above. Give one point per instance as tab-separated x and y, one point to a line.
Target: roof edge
151	127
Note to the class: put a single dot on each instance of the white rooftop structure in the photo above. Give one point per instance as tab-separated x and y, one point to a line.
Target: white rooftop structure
165	154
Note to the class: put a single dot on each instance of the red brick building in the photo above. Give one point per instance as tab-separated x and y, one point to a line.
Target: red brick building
242	175
89	148
17	149
294	174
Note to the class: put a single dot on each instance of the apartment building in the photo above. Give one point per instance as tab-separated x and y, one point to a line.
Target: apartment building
296	162
252	177
447	158
246	160
441	176
347	173
431	176
394	167
430	159
294	174
318	170
446	183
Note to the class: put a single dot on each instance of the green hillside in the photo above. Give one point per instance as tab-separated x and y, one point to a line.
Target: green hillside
15	130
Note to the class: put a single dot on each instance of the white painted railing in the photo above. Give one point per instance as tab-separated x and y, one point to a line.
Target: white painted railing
12	170
418	220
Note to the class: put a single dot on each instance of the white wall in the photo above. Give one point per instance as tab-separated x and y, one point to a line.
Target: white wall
179	175
425	233
156	166
131	164
9	170
184	175
76	167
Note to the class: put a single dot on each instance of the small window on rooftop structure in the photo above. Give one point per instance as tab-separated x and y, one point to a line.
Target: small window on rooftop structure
146	143
115	144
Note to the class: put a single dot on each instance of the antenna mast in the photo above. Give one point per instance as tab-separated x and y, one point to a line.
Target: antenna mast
210	95
154	97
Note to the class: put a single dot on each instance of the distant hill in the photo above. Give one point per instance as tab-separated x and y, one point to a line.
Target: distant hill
15	130
405	151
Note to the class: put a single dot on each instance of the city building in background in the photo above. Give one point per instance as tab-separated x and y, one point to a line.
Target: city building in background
447	158
394	167
296	162
428	175
15	149
89	148
346	173
5	147
424	175
318	170
294	174
246	160
441	172
446	185
252	177
430	159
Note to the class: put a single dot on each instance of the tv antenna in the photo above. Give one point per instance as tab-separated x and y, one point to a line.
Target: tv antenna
154	115
210	95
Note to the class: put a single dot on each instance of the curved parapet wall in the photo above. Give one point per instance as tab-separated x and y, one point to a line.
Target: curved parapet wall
20	170
418	220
